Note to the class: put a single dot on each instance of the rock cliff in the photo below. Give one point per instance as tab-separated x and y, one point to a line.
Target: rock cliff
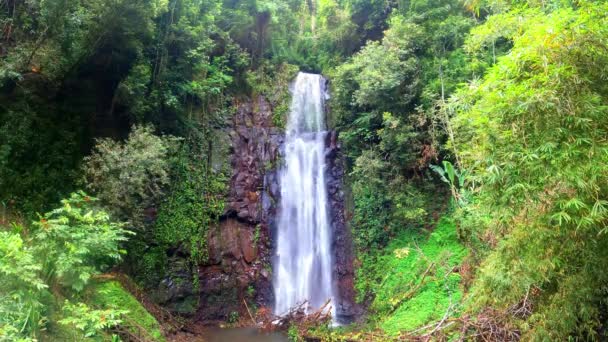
240	246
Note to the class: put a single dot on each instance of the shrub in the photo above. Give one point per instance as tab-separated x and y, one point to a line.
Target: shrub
75	241
56	258
130	176
533	133
21	288
91	322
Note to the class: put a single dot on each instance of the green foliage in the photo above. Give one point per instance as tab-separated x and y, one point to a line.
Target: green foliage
53	35
413	281
383	206
147	264
293	334
191	67
233	317
250	291
256	236
273	84
184	217
453	177
21	287
54	89
55	259
337	35
418	61
131	176
532	132
76	241
195	203
37	165
529	130
384	102
90	322
383	74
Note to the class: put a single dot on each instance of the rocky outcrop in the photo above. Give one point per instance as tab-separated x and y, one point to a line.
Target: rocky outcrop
342	246
176	290
239	246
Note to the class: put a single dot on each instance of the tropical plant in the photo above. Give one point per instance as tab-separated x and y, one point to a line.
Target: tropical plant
91	322
56	257
453	177
22	289
130	176
76	241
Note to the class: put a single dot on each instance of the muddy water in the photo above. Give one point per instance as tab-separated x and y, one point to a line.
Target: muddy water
242	335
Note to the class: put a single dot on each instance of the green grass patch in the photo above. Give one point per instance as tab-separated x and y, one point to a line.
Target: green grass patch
412	279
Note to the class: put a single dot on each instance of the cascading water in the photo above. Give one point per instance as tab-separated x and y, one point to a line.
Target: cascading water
303	264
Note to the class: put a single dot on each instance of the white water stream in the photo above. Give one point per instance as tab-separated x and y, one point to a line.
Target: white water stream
303	264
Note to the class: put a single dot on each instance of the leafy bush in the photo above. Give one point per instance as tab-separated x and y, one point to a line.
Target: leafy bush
55	259
131	176
383	204
38	158
91	322
21	288
76	241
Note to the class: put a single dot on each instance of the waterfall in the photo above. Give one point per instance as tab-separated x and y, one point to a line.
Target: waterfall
303	263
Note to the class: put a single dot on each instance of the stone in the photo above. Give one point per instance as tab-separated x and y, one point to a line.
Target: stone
249	250
252	196
243	214
235	262
265	273
176	290
230	239
342	242
213	246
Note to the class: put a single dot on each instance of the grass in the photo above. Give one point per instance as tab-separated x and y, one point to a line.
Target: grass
413	279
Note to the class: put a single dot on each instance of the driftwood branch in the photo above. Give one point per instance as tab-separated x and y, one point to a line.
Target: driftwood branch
297	315
249	312
413	291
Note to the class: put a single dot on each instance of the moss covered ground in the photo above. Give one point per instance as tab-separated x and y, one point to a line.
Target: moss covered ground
110	293
415	279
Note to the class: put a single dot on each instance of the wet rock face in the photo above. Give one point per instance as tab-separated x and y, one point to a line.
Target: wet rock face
342	242
239	247
176	291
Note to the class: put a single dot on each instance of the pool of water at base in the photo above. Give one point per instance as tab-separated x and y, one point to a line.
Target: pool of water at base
242	335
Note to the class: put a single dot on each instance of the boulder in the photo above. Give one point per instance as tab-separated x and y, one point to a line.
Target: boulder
248	246
230	246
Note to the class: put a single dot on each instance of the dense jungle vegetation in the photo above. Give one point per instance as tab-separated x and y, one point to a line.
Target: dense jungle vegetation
474	136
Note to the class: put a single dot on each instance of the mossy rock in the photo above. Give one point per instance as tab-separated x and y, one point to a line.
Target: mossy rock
110	293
